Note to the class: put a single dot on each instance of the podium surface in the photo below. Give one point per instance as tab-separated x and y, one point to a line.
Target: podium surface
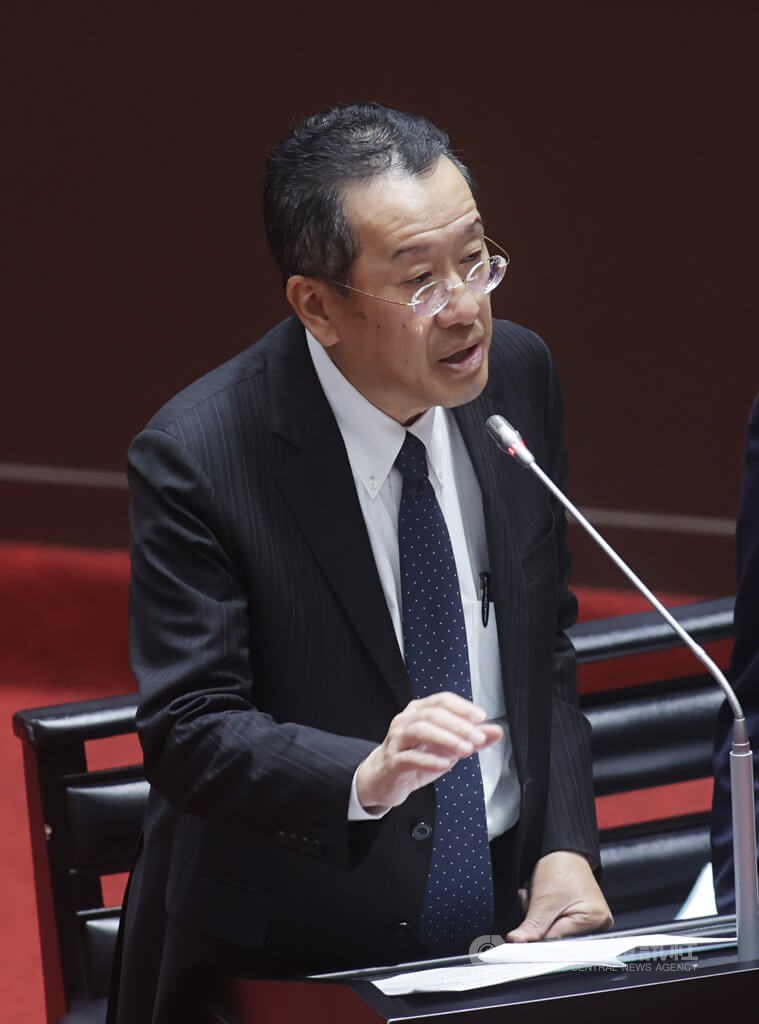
699	986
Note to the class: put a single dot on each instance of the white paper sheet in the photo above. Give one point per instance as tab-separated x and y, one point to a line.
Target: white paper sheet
517	961
598	949
701	901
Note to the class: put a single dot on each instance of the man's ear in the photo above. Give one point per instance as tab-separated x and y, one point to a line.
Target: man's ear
313	302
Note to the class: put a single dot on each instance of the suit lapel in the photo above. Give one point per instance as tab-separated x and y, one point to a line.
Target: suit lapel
317	484
499	479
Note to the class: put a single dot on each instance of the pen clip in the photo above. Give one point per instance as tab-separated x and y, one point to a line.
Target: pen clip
485	596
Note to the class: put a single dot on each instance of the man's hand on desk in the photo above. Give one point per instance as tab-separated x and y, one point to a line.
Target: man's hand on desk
423	742
563	899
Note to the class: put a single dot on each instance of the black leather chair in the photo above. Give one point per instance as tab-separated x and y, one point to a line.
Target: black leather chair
646	736
86	824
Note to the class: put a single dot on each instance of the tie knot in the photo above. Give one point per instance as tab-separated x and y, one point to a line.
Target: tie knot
411	460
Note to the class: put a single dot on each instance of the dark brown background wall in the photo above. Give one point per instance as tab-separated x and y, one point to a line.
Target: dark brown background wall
615	145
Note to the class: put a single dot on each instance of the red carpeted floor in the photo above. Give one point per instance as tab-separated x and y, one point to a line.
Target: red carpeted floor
63	636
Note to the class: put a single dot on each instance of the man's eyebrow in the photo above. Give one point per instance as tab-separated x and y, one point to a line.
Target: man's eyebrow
476	227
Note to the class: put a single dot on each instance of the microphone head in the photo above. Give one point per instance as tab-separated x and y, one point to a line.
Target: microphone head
509	439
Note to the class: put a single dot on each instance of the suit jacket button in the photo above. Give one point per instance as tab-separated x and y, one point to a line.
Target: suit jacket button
421	831
280	837
316	848
402	930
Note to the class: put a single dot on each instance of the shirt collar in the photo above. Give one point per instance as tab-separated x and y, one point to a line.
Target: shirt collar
372	438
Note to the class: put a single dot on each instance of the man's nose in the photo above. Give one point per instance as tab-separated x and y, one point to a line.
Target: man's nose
463	306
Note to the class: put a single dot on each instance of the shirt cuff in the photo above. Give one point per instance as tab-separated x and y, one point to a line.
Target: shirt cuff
355	811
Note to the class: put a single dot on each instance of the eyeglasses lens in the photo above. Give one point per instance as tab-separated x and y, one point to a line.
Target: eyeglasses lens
432	298
486	276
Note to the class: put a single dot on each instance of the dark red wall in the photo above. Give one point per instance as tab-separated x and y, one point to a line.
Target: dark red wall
615	146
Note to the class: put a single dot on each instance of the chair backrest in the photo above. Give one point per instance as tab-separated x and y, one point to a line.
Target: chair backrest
85	824
646	736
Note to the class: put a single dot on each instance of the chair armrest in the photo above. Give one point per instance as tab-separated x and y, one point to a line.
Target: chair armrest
647	631
76	721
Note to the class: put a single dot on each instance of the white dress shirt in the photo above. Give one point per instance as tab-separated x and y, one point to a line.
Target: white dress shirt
372	441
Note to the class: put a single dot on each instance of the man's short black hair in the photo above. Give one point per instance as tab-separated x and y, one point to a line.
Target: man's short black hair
307	172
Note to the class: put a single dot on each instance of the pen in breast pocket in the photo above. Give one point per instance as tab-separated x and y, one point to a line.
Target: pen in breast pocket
485	596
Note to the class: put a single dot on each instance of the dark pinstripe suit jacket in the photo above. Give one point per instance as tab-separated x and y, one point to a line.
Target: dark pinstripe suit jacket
268	668
744	671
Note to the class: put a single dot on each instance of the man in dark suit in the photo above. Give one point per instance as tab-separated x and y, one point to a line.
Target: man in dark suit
298	771
743	673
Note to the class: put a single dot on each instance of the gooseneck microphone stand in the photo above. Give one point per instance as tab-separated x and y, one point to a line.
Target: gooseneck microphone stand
741	758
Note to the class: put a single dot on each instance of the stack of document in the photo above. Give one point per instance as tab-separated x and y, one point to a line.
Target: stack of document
516	961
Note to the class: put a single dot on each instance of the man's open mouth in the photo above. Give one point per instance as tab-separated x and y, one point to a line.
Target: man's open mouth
460	356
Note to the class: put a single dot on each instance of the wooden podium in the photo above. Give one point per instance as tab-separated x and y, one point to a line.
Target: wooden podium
699	987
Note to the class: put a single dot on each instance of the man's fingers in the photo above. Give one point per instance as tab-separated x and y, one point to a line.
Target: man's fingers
422	743
441	730
449	739
443	704
572	924
545	920
493	733
442	741
580	921
417	759
453	702
541	915
530	930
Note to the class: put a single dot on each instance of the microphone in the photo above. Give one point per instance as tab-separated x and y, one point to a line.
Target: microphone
510	441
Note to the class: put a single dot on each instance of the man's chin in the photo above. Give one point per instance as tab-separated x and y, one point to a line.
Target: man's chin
469	387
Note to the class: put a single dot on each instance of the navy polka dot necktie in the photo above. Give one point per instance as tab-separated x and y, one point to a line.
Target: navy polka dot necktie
458	905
